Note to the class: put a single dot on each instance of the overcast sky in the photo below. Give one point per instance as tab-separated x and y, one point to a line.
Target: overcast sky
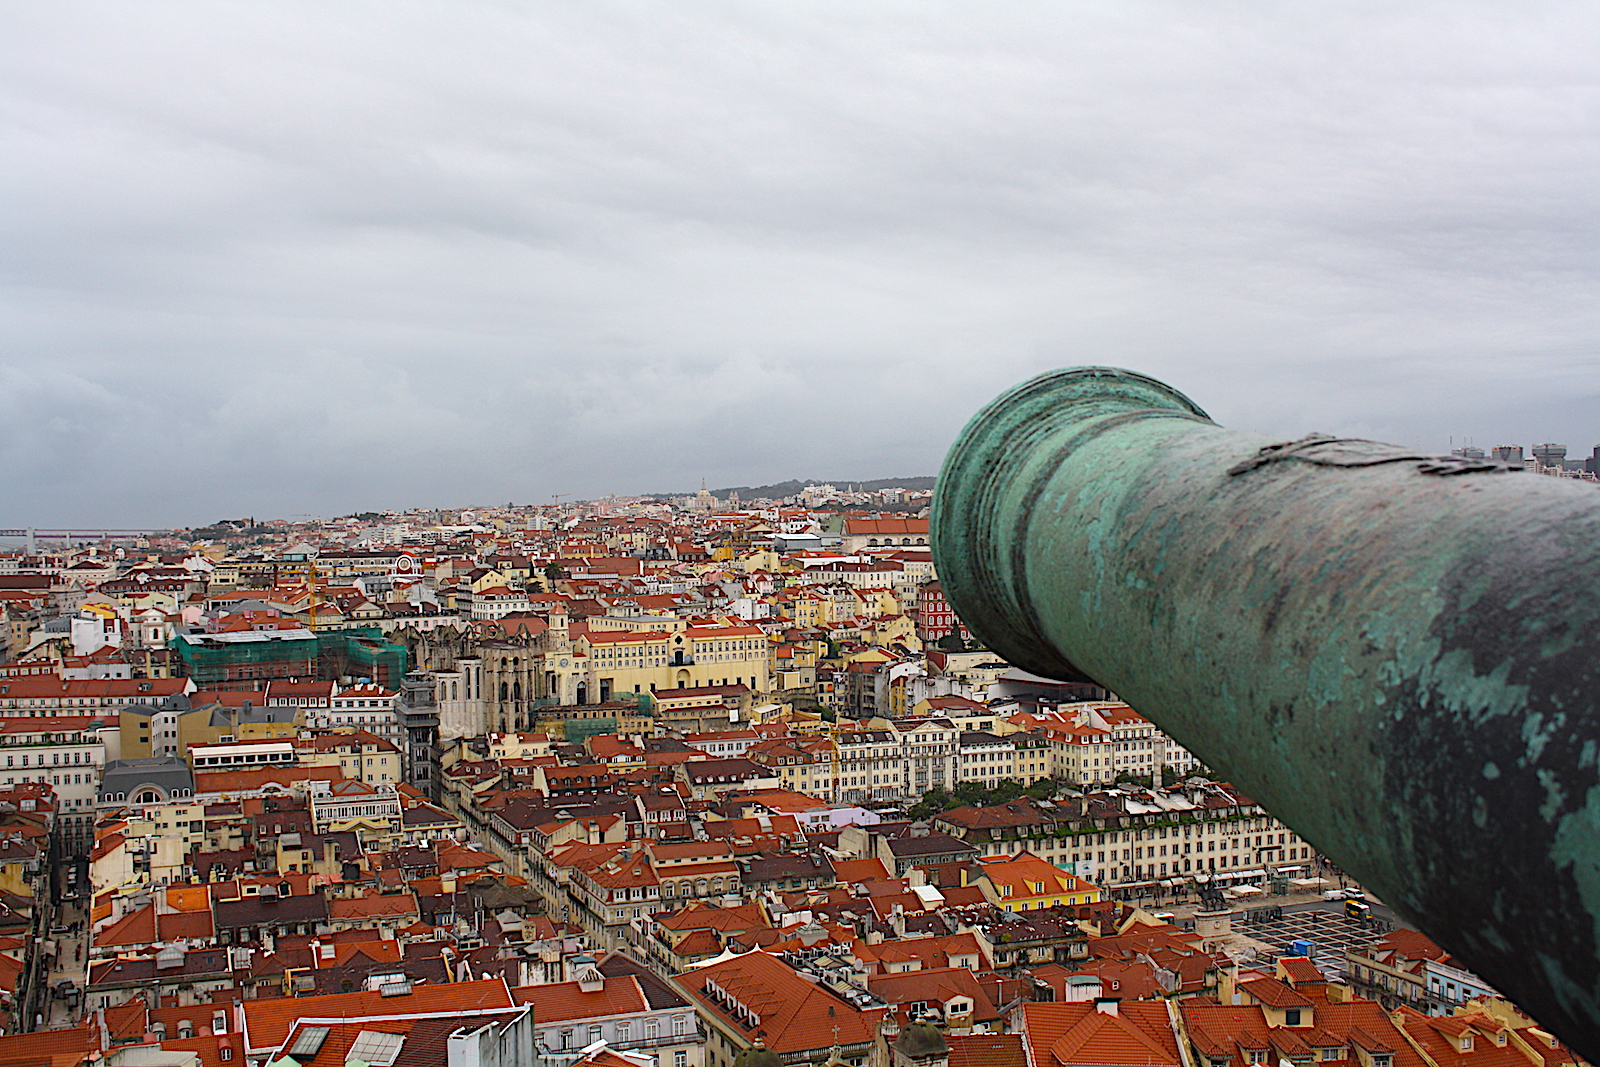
311	258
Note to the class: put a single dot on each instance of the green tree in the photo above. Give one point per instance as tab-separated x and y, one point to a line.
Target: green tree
932	803
970	793
1006	790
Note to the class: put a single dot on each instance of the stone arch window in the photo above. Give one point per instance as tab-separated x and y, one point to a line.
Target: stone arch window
502	691
516	690
872	542
922	540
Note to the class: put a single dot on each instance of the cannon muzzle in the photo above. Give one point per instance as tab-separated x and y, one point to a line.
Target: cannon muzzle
1395	653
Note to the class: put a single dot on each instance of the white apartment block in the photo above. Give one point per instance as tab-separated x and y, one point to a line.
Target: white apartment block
363	707
64	753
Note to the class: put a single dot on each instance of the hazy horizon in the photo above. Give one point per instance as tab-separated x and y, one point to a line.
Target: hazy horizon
330	258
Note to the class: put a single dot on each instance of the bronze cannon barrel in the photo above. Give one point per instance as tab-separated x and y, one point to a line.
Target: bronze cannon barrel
1395	653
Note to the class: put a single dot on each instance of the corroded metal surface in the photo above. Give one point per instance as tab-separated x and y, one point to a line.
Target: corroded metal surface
1396	653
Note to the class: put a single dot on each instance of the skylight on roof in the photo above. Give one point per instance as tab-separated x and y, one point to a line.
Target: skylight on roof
375	1048
309	1041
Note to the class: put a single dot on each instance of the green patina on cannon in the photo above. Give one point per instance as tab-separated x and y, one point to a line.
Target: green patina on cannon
1396	653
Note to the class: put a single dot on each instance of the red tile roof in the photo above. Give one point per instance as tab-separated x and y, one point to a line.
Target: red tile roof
851	871
190	925
1274	994
247	781
1439	1037
986	1050
387	905
137	927
1139	1033
1300	970
267	1022
937	985
56	1048
792	1014
425	1041
1221	1029
565	1001
210	1047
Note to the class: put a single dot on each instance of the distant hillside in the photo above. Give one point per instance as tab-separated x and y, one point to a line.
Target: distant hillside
782	489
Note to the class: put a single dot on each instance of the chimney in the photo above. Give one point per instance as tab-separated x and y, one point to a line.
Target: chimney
1107	1005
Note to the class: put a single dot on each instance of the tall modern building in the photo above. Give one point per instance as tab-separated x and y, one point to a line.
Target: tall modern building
1550	455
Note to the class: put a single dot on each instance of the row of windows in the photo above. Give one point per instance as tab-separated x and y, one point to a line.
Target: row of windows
651	1029
350	811
57	779
146	796
56	759
69	702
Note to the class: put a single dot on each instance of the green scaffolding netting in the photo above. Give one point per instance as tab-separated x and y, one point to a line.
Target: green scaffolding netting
363	652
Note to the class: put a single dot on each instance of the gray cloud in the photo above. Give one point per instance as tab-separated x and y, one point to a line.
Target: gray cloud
310	258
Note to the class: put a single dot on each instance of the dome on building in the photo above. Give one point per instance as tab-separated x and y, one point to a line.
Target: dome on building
919	1041
758	1056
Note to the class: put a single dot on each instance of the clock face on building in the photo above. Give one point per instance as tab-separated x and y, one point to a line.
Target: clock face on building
563	663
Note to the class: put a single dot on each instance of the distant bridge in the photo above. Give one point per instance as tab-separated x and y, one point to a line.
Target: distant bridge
98	533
